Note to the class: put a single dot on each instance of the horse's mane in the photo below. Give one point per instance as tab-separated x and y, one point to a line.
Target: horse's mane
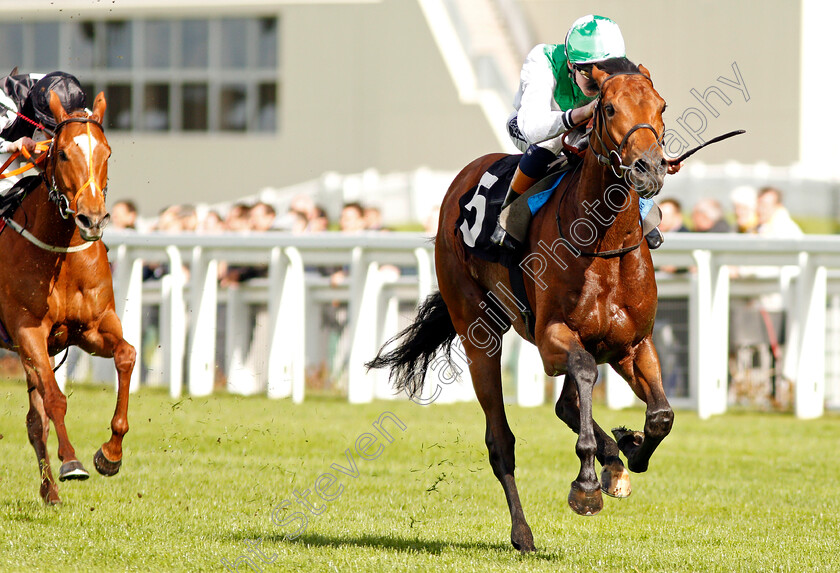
618	65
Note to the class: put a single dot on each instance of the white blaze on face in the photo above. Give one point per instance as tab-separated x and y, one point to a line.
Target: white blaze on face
87	144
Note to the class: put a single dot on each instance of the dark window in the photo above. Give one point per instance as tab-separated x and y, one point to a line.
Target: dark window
267	107
44	46
194	114
118	44
233	109
158	44
156	107
195	43
119	106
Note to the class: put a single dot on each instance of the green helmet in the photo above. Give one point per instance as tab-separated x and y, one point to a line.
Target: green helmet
593	39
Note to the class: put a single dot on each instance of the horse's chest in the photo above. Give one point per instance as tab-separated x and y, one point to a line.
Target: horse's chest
611	312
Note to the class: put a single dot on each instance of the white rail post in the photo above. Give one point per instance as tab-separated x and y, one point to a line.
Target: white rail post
287	325
364	339
240	378
389	311
203	291
710	339
618	392
175	324
530	376
131	316
809	401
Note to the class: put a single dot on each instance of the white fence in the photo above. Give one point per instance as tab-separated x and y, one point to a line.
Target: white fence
798	269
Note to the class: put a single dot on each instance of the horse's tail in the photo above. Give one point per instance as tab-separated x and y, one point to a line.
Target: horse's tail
431	331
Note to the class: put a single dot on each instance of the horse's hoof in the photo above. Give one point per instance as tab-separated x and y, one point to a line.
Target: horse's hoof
585	502
72	470
522	539
615	480
50	495
105	466
628	438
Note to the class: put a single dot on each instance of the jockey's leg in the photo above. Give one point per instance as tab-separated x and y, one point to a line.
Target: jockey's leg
512	227
650	216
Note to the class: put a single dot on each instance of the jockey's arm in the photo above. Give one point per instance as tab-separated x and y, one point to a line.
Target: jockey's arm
538	116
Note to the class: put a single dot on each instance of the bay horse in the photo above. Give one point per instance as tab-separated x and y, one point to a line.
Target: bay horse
593	296
56	288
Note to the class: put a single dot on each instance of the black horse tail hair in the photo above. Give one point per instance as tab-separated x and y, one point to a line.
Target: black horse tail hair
430	332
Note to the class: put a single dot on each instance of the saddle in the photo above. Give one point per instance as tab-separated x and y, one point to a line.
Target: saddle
480	207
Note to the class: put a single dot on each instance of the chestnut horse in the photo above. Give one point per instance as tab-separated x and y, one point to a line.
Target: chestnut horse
56	288
593	296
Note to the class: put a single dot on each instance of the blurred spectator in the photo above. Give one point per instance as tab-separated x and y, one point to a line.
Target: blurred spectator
431	223
298	222
352	219
212	223
672	217
304	204
187	218
773	218
168	220
124	215
238	218
744	202
707	217
261	217
320	222
373	219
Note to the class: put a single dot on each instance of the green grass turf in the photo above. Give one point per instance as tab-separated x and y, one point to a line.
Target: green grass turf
740	492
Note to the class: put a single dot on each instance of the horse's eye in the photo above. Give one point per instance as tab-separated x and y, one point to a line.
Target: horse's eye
62	155
609	109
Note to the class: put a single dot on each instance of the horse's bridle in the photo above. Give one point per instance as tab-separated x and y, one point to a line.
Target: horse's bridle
55	195
613	158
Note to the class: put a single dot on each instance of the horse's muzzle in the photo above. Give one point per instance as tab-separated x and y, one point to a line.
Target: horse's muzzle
647	176
91	226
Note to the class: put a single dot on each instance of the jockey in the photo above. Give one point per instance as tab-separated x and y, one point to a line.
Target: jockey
556	92
28	95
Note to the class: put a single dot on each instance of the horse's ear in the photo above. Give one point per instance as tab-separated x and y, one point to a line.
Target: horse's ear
98	107
56	108
644	71
599	75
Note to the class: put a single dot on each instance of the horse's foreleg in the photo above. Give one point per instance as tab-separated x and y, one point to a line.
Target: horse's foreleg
615	480
561	349
109	342
33	355
643	373
38	429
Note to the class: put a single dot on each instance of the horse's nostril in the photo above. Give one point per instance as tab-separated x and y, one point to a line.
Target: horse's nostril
84	221
641	165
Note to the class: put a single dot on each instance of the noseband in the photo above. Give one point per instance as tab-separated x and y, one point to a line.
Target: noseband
60	200
614	154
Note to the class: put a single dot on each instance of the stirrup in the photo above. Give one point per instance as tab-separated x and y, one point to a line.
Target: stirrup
654	238
503	239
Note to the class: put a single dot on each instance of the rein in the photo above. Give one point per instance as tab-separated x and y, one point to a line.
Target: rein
601	254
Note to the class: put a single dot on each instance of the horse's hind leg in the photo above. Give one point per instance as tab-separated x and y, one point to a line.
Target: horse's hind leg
487	380
38	429
615	480
642	371
108	341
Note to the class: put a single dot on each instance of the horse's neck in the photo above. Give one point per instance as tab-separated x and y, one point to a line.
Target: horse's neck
597	200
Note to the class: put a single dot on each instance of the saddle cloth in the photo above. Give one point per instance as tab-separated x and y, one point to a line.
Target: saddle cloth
479	208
